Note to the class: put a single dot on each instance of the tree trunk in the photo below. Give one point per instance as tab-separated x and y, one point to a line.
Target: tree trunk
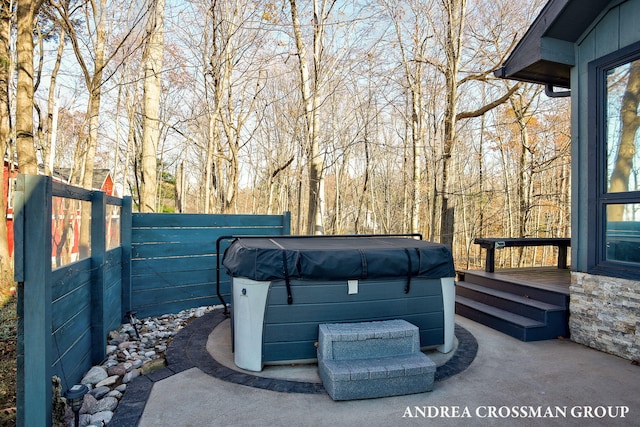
151	120
180	188
93	118
414	73
456	10
52	113
25	13
311	103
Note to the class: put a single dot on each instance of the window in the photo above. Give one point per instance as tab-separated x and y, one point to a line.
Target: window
614	148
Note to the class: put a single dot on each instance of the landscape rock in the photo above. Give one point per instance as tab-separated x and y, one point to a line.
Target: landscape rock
118	370
100	392
88	402
106	404
95	375
108	381
130	376
127	358
101	418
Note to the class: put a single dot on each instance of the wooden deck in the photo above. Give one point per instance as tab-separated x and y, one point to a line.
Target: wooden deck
549	278
530	304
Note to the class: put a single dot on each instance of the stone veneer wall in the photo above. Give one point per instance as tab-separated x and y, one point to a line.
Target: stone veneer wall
605	314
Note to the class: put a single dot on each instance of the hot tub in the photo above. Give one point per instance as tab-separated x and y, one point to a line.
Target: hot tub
284	287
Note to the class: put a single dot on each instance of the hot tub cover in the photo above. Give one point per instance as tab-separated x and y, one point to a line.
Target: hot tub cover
336	258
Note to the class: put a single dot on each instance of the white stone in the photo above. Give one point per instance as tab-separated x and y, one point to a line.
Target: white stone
106	404
94	376
101	418
130	376
108	381
115	393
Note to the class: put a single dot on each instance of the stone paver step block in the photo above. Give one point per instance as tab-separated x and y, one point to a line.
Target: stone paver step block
373	359
342	341
377	377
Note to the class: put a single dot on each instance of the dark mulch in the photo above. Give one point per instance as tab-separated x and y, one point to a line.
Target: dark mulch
8	356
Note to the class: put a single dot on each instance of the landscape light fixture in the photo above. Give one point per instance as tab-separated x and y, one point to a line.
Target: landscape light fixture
75	398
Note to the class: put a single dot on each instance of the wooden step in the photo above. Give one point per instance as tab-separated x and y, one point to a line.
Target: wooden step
527	307
505	282
515	325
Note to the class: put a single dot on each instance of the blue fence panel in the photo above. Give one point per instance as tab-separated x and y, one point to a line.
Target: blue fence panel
64	315
174	258
71	321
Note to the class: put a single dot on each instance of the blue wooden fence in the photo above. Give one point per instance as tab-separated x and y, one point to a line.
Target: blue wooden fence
165	263
174	257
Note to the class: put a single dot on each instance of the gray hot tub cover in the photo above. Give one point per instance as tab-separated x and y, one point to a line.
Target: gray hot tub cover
336	258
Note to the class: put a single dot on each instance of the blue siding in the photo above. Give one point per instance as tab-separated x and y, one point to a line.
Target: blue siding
613	30
629	28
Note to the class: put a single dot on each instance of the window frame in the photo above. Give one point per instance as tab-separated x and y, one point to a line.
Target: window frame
598	198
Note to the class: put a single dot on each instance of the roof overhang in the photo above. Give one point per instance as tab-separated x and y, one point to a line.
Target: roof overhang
545	54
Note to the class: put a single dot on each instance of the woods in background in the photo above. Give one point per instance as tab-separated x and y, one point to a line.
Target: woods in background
371	116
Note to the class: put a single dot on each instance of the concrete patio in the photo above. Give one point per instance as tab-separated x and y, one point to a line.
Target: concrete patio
550	383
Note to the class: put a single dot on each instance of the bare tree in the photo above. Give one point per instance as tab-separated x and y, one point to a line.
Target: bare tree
52	107
26	11
454	20
412	54
152	62
310	89
93	65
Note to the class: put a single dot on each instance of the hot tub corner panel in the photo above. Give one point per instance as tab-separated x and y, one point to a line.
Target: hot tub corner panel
249	304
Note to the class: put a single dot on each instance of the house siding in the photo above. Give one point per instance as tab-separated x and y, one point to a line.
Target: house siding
604	310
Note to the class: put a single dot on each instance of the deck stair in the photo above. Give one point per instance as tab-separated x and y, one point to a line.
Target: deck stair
529	305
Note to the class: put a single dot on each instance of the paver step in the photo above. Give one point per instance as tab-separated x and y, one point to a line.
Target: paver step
377	377
372	359
362	340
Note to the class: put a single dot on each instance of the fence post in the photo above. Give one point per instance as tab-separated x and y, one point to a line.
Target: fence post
125	243
33	274
286	223
99	323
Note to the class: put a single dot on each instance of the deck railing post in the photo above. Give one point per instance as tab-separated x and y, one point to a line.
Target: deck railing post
562	257
33	272
491	259
98	250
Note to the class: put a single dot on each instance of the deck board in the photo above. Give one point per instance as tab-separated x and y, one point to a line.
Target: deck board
549	278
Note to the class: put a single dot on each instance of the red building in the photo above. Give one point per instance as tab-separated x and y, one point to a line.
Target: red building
102	181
